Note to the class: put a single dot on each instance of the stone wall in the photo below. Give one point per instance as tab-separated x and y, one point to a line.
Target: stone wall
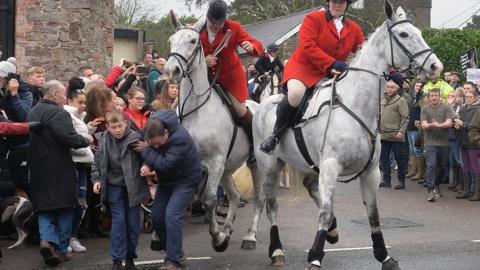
63	35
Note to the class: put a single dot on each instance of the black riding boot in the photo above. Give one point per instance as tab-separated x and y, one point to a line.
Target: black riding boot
284	115
247	125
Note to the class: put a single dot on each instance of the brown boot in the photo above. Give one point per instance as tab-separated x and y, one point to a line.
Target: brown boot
420	169
413	169
48	254
456	171
466	179
476	196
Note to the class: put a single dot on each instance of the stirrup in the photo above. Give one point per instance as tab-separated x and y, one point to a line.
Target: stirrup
269	144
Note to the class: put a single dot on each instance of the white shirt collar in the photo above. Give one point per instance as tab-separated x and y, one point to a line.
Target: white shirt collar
338	24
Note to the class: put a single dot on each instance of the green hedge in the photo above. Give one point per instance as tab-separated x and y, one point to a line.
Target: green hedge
449	44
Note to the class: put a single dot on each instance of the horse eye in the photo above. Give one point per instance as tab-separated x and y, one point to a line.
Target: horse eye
404	35
193	41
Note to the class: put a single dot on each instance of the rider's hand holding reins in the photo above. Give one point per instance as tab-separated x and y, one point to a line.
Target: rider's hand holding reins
211	60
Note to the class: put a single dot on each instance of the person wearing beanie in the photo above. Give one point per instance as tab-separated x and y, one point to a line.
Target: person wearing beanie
393	127
12	60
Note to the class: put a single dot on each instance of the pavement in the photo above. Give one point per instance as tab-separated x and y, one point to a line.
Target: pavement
444	235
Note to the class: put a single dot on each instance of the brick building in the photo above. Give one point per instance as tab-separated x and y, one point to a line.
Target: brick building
58	35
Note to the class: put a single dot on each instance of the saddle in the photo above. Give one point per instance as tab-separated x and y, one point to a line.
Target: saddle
314	100
228	103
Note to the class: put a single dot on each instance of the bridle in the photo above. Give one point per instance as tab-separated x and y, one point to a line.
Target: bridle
411	67
186	66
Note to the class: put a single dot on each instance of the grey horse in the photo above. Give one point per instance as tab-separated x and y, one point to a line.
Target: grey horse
221	149
351	145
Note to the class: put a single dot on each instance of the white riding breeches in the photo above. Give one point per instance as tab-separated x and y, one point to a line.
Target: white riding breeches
296	91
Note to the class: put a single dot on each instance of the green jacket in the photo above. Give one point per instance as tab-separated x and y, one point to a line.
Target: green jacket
394	117
474	131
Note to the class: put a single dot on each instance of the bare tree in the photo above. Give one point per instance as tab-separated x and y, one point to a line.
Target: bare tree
128	12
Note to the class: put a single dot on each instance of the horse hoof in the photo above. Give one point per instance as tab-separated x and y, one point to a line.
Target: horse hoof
223	246
391	264
332	237
278	261
313	267
248	245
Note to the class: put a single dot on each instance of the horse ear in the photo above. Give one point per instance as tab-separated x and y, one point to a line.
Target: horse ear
174	20
200	23
388	9
401	13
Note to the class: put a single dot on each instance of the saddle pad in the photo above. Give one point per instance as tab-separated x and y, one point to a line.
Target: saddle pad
311	108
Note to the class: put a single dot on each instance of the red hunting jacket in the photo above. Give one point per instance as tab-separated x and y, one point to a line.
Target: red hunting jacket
319	46
232	75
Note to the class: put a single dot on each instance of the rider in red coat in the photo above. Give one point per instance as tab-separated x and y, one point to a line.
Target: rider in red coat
231	74
326	39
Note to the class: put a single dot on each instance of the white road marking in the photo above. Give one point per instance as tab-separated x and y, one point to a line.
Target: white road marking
347	249
139	263
476	241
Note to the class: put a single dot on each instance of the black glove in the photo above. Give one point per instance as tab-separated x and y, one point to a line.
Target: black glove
339	66
34	126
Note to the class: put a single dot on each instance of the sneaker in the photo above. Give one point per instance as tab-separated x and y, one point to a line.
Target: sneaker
400	186
436	192
431	196
76	245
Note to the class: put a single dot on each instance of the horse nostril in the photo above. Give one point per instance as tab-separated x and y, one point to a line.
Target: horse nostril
434	67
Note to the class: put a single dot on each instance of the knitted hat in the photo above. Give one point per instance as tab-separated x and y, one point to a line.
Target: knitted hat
6	68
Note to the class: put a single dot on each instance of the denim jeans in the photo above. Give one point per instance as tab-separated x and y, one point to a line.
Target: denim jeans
398	149
454	153
55	226
125	224
168	211
436	157
82	175
412	135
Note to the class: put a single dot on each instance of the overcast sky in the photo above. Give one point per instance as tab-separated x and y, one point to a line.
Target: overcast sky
445	13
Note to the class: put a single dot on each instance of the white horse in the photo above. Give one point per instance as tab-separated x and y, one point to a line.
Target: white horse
351	145
222	147
272	87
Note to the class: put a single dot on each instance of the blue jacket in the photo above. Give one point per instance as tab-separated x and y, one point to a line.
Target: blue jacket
176	162
151	83
17	107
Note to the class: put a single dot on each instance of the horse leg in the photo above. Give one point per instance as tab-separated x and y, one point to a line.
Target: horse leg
310	182
220	240
233	198
329	171
369	185
275	250
249	241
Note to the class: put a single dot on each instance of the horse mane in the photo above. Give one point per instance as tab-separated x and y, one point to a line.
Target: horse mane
372	40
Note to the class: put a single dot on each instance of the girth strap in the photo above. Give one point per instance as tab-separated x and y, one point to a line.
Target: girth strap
300	140
232	141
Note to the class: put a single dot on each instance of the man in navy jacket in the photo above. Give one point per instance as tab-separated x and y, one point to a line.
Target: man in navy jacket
172	153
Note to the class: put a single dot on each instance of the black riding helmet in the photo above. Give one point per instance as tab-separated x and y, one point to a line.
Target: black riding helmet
217	11
272	48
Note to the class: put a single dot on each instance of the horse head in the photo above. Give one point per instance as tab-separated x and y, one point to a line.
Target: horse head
185	47
405	49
